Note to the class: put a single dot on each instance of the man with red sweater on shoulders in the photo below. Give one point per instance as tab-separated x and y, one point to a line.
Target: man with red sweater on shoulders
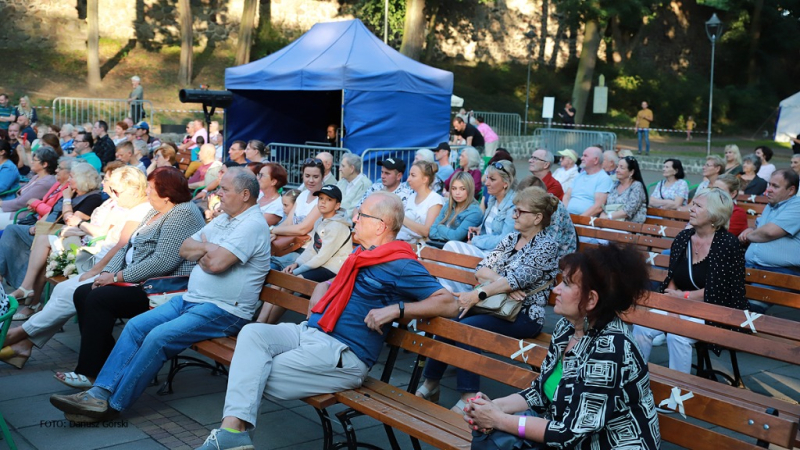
539	165
347	325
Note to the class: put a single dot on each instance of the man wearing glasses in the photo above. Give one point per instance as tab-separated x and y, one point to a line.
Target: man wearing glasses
380	282
539	165
83	148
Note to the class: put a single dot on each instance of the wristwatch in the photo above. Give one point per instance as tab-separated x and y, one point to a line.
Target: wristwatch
402	307
481	293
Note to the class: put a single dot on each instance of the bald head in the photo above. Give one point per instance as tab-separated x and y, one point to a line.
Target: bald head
207	153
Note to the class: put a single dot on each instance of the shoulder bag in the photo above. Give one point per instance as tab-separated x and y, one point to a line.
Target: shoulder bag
501	305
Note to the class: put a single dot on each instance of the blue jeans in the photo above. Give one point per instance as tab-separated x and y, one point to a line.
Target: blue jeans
152	338
761	307
466	381
646	133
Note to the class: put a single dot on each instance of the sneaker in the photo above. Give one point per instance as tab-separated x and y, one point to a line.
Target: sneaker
80	404
220	439
659	340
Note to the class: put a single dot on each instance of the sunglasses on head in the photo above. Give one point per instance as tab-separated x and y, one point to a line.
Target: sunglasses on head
499	166
312	161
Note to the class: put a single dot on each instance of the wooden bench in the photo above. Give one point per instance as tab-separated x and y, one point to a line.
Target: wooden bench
753	199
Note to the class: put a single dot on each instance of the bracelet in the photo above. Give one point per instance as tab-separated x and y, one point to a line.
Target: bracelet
402	307
521	426
67	201
115	277
686	295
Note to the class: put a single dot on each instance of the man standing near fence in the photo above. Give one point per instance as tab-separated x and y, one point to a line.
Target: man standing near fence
135	99
470	134
643	119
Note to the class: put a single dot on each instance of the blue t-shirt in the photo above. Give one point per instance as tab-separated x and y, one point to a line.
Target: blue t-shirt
92	159
781	252
444	172
9	179
584	188
378	286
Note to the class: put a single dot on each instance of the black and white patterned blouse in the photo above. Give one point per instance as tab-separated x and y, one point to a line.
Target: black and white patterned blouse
155	252
533	265
604	399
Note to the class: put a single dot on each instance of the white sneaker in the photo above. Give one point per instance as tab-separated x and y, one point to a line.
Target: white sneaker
659	340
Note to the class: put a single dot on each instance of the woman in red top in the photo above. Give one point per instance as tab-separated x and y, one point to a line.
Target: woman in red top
730	184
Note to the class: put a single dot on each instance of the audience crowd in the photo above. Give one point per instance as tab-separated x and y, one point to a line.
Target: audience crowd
131	210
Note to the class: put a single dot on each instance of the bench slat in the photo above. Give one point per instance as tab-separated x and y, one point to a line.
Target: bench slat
482	365
752	344
451	273
492	342
764	325
387	414
780	430
689	435
284	300
456	259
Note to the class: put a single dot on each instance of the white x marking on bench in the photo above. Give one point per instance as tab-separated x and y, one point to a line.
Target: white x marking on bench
750	317
675	400
522	350
652	258
662	230
591	221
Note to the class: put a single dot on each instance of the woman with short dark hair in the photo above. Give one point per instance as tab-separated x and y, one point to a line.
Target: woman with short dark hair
593	374
752	183
152	251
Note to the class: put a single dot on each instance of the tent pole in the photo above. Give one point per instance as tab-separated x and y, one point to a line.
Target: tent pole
341	123
386	22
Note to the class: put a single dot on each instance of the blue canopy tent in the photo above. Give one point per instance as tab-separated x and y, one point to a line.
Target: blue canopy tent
339	71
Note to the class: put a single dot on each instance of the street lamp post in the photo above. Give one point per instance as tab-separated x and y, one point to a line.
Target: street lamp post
713	31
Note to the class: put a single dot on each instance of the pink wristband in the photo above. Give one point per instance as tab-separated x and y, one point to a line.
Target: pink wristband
521	429
686	295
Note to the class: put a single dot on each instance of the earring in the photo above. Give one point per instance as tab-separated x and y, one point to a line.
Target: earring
585	325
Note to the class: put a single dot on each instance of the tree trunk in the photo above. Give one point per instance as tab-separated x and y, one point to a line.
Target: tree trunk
557	44
93	41
413	29
185	18
543	32
264	27
592	33
430	35
246	32
755	38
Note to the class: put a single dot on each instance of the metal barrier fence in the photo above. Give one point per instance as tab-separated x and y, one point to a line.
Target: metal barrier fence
112	110
291	157
556	139
504	124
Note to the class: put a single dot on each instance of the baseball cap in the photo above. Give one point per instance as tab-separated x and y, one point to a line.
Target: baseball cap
569	154
393	164
442	146
331	191
142	126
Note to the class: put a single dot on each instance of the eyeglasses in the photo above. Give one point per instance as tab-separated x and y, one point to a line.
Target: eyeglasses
260	175
499	166
36	160
360	215
538	159
518	212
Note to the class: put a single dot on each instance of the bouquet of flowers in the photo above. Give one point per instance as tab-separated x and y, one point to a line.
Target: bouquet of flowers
62	262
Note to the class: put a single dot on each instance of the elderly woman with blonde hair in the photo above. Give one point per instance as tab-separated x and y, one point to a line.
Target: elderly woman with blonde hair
706	264
468	161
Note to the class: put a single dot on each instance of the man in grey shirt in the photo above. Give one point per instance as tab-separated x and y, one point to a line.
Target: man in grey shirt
232	254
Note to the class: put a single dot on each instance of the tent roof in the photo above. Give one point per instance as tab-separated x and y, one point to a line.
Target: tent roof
335	56
793	101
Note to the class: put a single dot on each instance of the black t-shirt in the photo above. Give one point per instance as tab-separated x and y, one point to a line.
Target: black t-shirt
471	131
566	118
796	146
681	275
